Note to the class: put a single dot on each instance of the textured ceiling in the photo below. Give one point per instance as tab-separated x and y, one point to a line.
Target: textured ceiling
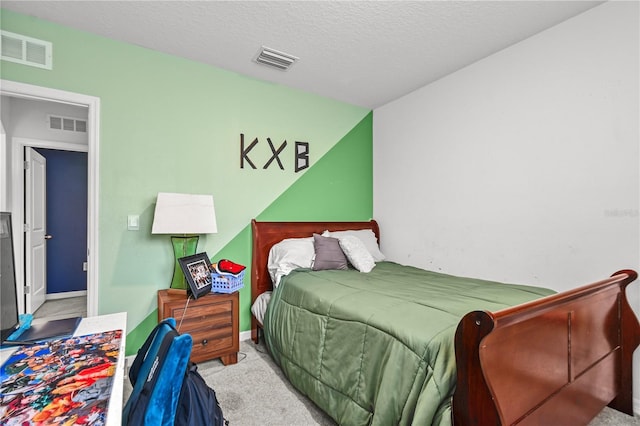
366	53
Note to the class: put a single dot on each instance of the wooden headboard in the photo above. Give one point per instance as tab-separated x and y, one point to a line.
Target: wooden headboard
266	234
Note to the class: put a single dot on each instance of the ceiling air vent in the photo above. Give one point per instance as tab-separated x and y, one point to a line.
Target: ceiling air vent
26	50
67	124
275	59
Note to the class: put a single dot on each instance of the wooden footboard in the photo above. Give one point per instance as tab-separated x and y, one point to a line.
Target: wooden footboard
556	360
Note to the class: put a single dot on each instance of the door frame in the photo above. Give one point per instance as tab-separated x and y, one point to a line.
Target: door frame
92	103
4	166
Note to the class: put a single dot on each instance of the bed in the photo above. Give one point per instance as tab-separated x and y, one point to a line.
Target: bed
555	359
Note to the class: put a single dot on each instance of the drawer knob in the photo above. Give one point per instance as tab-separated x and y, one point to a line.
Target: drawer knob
204	342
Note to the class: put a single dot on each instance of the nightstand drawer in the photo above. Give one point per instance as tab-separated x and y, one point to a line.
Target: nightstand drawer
211	320
204	316
204	345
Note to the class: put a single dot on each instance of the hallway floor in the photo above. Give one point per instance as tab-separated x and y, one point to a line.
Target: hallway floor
61	308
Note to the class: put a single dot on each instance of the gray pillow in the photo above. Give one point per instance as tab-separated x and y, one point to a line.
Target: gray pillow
329	255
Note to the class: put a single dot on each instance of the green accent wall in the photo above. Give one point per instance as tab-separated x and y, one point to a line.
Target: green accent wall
168	124
339	187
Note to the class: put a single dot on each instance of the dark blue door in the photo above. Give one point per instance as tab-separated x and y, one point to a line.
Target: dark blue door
66	220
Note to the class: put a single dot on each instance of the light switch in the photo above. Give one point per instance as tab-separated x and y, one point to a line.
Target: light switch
133	222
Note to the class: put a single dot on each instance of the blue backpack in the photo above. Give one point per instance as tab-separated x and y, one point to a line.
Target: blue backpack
167	388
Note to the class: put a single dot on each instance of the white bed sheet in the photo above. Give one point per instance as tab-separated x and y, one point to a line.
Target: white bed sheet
259	307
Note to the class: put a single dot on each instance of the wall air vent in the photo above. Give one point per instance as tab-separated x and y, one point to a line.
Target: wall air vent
26	50
67	124
275	59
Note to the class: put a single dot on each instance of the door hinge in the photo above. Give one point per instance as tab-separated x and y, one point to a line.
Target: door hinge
27	289
26	165
26	227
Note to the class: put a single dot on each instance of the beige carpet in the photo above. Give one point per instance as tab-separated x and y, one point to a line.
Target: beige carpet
254	392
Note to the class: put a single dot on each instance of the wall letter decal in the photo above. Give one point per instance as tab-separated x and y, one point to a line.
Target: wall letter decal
244	152
275	154
302	156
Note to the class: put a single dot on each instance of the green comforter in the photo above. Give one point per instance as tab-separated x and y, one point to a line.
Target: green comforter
378	348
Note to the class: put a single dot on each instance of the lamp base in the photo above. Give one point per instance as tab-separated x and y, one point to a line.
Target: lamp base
182	246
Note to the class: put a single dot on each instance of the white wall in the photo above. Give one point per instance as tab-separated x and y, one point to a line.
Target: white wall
29	119
523	167
5	155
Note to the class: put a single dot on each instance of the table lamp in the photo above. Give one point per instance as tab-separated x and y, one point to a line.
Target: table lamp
184	216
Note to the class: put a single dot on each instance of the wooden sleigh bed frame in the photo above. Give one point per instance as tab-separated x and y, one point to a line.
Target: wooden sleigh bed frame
575	348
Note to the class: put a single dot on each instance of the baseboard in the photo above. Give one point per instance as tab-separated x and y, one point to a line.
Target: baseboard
244	335
128	360
65	295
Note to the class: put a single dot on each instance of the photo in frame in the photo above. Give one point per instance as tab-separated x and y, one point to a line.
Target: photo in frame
197	270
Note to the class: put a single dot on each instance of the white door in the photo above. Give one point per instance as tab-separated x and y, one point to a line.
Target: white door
36	220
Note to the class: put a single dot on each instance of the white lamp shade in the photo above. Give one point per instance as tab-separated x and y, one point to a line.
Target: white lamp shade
184	214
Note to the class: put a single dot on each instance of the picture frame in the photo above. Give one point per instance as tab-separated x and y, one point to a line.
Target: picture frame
197	271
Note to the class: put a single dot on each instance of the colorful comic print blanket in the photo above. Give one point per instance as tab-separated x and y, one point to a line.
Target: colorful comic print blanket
60	382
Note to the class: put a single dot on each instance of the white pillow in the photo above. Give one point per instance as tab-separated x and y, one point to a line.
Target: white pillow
288	255
367	236
357	253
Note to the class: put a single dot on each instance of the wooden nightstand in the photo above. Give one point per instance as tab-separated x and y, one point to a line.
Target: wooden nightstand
211	320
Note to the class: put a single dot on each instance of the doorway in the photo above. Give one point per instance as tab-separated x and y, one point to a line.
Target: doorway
15	202
66	229
56	250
